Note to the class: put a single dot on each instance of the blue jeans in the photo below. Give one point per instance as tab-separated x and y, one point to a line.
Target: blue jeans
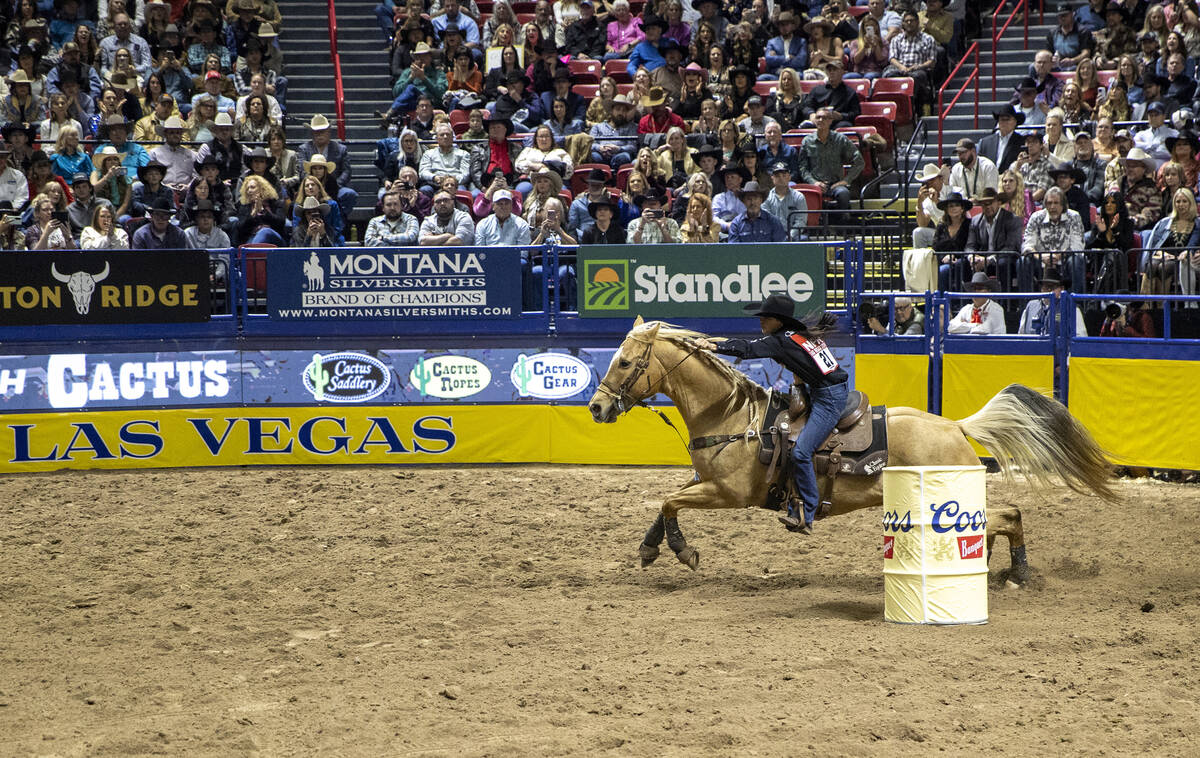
826	408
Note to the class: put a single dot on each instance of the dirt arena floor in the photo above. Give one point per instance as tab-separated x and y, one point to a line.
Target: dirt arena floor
501	611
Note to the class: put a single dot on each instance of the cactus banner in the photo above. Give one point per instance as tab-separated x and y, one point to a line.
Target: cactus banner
394	283
671	281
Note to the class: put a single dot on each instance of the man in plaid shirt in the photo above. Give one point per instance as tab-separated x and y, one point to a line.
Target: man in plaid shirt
913	54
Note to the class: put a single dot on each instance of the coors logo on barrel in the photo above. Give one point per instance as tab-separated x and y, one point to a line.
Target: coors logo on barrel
104	287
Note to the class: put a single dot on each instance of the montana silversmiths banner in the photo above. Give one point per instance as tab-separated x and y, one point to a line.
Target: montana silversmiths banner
394	283
673	281
104	287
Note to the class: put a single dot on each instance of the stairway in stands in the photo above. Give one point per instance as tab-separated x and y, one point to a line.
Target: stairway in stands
305	45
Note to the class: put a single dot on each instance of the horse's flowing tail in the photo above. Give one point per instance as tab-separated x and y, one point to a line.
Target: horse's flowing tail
1037	437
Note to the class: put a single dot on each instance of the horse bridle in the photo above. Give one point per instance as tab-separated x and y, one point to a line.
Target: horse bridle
621	395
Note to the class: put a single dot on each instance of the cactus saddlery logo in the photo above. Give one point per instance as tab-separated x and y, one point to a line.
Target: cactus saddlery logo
607	287
449	376
550	376
346	378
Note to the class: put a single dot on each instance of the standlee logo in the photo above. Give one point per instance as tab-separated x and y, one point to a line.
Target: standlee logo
970	546
550	376
607	285
889	545
449	376
68	384
346	377
949	517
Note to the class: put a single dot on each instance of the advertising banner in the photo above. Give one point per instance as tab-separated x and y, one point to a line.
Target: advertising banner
671	281
394	283
310	435
104	287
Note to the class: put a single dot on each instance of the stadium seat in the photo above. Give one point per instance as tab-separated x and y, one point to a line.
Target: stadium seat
485	6
624	88
586	91
1063	76
1106	78
524	18
623	175
586	67
899	90
882	117
566	196
815	200
618	70
808	85
579	178
255	271
459	121
794	137
858	11
857	135
766	88
861	86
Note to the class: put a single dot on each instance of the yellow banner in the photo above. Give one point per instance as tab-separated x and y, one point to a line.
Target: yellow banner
893	380
355	436
969	381
1142	412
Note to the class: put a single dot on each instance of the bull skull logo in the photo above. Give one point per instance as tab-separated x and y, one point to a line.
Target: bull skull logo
81	285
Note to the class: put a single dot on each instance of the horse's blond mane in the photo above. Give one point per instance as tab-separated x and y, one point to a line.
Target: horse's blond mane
742	387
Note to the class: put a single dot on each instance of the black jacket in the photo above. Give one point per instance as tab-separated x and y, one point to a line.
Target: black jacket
787	348
1007	237
585	38
841	98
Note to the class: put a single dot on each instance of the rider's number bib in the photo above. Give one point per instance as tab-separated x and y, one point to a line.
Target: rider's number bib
820	353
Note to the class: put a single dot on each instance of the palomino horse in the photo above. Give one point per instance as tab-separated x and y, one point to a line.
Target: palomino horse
1027	433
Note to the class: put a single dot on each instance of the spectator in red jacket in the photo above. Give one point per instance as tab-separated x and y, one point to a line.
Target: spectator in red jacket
660	118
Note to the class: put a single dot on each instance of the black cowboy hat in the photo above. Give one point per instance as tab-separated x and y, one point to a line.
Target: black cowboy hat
562	73
162	205
208	160
516	75
597	175
752	188
203	204
1052	277
1010	110
734	168
668	44
596	205
16	126
508	124
651	194
739	69
777	306
1067	170
955	197
1191	138
258	152
708	150
153	164
655	20
1115	7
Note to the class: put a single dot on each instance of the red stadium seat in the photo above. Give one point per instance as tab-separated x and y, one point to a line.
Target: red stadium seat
881	116
459	121
618	70
1063	76
586	91
796	136
861	86
1106	78
766	88
814	199
566	196
899	90
524	18
524	6
255	256
466	198
623	175
857	135
808	85
580	67
485	6
858	11
579	178
624	88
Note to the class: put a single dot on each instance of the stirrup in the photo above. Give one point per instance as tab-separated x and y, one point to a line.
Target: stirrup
790	521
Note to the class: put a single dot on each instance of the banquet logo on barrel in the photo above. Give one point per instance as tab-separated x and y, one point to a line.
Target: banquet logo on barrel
970	547
346	378
449	376
889	544
550	376
607	285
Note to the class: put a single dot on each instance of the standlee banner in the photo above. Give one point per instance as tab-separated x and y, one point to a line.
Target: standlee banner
328	377
104	287
394	283
669	281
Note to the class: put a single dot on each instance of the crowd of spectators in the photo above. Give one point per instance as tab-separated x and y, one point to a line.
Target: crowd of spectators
676	145
1092	169
128	124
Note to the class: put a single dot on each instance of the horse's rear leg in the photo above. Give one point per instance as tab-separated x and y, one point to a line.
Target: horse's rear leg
1006	520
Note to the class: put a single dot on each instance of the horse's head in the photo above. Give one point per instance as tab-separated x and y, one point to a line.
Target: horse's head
627	380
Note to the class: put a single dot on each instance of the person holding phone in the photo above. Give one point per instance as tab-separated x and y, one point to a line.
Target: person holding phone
653	226
108	180
50	229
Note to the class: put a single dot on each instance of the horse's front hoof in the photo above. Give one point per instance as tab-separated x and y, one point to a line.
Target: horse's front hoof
689	557
648	554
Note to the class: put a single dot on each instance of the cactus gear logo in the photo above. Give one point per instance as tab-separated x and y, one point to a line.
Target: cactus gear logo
550	376
607	287
346	378
449	376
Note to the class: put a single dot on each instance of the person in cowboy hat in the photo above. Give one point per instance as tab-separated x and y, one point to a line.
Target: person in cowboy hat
423	77
606	147
645	54
322	143
934	189
1038	315
604	229
654	226
259	162
116	130
149	188
160	233
982	315
578	217
208	185
14	186
789	49
178	159
20	105
1142	195
1068	179
498	156
1002	146
799	349
993	230
752	225
311	230
660	119
1026	100
204	234
516	104
709	158
727	205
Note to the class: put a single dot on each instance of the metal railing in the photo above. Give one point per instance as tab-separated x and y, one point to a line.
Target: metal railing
943	108
339	92
998	31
